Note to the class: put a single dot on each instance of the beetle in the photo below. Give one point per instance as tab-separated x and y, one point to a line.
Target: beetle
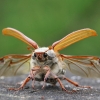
47	64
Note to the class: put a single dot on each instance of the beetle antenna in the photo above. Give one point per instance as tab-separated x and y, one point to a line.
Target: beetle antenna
29	48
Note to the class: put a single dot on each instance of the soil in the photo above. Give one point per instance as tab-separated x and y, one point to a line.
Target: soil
50	92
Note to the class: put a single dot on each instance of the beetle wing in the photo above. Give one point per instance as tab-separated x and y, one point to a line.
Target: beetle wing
12	65
86	66
21	36
72	38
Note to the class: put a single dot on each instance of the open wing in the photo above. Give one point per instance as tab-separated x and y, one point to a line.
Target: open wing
12	65
17	34
72	38
86	66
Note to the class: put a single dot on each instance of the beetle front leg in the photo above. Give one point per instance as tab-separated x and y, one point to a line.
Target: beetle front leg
33	72
47	69
30	77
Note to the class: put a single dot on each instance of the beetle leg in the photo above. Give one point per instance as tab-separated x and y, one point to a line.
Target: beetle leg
23	84
46	75
55	77
75	83
33	73
31	76
62	86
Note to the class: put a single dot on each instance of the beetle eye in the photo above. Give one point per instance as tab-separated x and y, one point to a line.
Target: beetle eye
34	54
45	55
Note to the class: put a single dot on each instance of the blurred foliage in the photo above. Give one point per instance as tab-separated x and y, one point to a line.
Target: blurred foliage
46	21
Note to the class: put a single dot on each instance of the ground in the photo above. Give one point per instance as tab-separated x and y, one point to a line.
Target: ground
50	92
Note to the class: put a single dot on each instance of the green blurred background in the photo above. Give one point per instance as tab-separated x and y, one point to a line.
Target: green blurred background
46	21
